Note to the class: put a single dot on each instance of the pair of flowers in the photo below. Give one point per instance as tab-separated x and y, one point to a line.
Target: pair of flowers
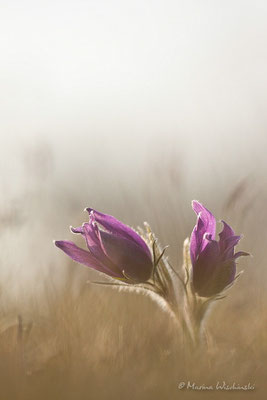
119	252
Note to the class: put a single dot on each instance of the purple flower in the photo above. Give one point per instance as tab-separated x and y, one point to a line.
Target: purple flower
117	250
213	262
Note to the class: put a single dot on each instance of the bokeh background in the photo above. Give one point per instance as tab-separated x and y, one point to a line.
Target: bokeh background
135	109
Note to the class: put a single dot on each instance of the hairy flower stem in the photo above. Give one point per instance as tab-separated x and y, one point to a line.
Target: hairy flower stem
195	308
175	292
197	321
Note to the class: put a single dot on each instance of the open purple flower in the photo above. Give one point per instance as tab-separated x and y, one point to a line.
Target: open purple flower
117	250
213	262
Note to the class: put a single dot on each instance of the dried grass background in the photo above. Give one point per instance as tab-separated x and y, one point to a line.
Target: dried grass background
64	338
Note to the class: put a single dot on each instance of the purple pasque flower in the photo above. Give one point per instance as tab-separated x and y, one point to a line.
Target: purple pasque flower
213	262
116	250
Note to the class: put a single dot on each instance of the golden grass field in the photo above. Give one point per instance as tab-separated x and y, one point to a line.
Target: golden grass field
62	337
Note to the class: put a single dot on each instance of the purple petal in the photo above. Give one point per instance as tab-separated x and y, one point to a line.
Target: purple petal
206	216
205	266
77	230
92	239
196	239
91	234
94	243
82	256
229	245
226	232
118	228
224	235
224	276
210	274
210	255
128	256
206	225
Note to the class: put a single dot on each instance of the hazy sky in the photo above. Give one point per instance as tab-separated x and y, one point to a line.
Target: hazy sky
117	78
112	89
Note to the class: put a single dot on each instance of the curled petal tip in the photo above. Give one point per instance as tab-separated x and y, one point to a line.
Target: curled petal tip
76	230
207	236
89	210
194	203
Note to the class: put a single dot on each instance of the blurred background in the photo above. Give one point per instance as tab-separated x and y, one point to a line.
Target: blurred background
135	109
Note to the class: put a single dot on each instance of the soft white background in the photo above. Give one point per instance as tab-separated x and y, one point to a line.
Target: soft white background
112	87
114	76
